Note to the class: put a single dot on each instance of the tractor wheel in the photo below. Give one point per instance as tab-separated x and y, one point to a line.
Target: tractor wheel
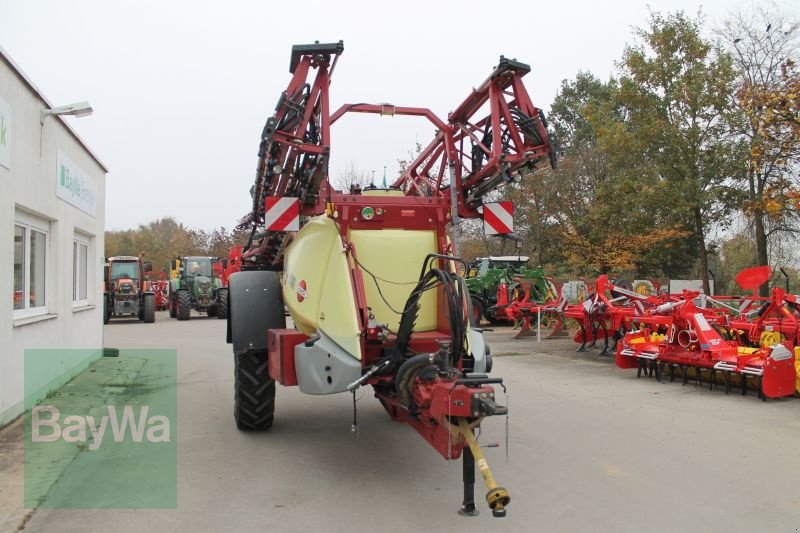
255	306
254	391
149	315
211	310
106	310
173	303
222	306
477	312
184	305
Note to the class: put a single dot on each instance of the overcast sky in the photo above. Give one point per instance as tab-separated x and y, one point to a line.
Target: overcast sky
181	89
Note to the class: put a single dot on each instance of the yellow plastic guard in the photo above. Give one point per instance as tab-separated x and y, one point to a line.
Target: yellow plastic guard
770	338
797	368
745	350
317	288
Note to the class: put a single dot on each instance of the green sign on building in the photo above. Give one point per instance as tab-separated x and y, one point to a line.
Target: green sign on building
5	134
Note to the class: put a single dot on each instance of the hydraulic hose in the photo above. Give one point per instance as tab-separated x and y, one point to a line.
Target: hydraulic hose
404	378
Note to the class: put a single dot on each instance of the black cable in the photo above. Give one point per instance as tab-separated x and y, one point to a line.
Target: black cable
454	291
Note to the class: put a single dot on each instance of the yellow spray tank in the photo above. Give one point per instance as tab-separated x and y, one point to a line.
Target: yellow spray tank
351	267
318	285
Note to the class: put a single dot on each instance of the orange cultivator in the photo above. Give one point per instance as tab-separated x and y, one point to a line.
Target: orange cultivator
758	344
607	313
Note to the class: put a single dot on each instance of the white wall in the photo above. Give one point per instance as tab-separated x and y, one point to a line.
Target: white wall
676	286
30	185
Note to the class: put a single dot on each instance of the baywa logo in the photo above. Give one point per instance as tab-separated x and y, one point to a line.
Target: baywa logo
3	131
74	185
47	426
107	439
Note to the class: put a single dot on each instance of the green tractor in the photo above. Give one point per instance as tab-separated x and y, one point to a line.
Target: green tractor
193	285
486	274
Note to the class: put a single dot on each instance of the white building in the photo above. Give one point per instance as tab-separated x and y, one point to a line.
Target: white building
52	223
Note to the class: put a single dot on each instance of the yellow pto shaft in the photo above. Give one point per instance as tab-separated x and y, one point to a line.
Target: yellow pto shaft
497	497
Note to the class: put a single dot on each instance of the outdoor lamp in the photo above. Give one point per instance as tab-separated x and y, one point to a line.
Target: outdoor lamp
80	109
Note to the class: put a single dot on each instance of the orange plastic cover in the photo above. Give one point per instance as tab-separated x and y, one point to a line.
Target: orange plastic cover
752	278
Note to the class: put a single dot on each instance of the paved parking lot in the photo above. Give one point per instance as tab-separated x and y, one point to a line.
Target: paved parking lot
591	448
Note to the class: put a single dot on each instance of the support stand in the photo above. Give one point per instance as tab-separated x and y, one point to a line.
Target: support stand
468	463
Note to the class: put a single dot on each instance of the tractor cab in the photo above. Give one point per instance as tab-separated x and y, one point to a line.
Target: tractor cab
515	262
124	271
198	266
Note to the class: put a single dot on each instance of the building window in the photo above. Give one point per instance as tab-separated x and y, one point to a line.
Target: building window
30	266
19	267
80	272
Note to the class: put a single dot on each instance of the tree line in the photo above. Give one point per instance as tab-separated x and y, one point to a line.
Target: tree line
680	165
165	239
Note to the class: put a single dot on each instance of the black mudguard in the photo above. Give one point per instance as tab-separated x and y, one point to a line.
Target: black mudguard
255	304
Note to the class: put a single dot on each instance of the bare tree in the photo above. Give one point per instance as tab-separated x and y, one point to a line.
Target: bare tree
761	41
352	178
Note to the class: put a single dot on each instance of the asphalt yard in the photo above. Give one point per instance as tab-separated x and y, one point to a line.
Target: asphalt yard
590	448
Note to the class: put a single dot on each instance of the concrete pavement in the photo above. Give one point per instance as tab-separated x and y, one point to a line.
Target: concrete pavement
591	448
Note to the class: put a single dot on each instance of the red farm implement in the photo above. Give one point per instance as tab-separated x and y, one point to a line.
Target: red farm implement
232	264
750	343
350	259
606	313
525	301
159	285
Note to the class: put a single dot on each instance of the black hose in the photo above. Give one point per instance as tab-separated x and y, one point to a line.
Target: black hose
404	378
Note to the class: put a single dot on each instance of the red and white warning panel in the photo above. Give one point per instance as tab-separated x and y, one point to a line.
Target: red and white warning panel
498	218
282	214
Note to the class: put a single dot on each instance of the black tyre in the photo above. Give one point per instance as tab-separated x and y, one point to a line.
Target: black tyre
477	312
222	305
254	391
211	310
184	305
106	310
149	315
623	283
173	304
255	305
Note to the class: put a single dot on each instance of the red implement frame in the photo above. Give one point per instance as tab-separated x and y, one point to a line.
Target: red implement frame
680	334
295	147
472	154
157	281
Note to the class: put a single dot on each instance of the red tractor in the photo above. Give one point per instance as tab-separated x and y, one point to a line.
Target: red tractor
125	291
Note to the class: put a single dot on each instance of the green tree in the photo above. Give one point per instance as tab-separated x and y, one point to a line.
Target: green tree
159	241
668	142
593	213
